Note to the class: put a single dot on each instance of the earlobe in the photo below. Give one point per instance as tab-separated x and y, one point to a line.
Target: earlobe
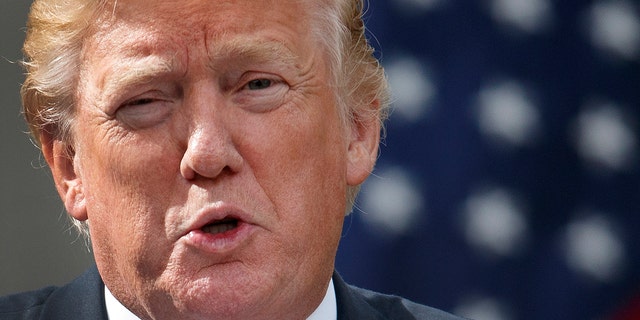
363	147
61	161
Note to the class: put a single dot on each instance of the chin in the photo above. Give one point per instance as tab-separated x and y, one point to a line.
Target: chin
225	293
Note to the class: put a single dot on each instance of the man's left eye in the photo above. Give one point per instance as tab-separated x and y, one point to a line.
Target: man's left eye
259	84
260	92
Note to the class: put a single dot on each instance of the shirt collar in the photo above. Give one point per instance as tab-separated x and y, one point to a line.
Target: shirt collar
115	309
327	310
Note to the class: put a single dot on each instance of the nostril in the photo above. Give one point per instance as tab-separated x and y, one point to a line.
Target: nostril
186	171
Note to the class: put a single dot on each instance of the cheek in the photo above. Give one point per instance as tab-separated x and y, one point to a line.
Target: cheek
300	162
128	173
120	162
127	183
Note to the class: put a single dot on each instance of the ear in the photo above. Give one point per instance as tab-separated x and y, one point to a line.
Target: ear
363	146
61	161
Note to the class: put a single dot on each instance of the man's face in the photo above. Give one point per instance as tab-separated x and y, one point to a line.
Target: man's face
210	159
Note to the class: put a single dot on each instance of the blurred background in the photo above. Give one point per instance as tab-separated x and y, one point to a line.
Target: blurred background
37	245
508	185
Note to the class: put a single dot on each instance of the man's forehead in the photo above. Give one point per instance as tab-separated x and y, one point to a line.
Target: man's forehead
138	26
140	62
189	11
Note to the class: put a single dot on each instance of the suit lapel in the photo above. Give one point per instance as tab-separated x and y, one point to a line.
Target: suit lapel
81	299
351	305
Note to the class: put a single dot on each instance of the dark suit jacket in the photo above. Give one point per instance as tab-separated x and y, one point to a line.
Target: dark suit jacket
84	299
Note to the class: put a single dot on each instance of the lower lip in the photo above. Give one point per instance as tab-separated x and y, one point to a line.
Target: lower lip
220	242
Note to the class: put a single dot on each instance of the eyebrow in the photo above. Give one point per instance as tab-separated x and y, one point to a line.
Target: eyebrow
253	49
136	71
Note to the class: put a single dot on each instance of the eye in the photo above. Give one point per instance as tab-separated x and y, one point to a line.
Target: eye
144	112
259	84
139	102
261	92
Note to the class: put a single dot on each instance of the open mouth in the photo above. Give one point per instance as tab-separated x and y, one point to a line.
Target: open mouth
219	230
220	226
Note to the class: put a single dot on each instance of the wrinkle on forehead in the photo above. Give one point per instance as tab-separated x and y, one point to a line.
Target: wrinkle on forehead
191	22
148	11
142	47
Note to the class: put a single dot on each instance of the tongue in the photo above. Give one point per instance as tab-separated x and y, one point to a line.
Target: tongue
220	227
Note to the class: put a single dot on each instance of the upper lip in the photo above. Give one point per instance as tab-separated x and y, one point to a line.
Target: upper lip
216	212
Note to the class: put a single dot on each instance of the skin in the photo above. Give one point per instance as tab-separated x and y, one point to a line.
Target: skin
176	123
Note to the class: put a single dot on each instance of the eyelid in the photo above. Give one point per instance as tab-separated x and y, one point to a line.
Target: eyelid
145	93
161	87
145	110
137	101
144	115
250	76
260	100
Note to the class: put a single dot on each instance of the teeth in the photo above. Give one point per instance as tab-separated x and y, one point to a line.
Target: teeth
219	228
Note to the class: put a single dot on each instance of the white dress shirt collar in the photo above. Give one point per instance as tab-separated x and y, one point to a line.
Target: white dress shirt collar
328	308
115	309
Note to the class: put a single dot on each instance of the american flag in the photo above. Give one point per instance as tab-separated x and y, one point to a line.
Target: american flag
508	185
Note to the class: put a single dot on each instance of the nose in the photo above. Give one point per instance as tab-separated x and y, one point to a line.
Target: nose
210	150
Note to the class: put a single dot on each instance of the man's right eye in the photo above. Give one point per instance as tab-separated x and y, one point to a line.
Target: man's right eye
139	102
141	113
